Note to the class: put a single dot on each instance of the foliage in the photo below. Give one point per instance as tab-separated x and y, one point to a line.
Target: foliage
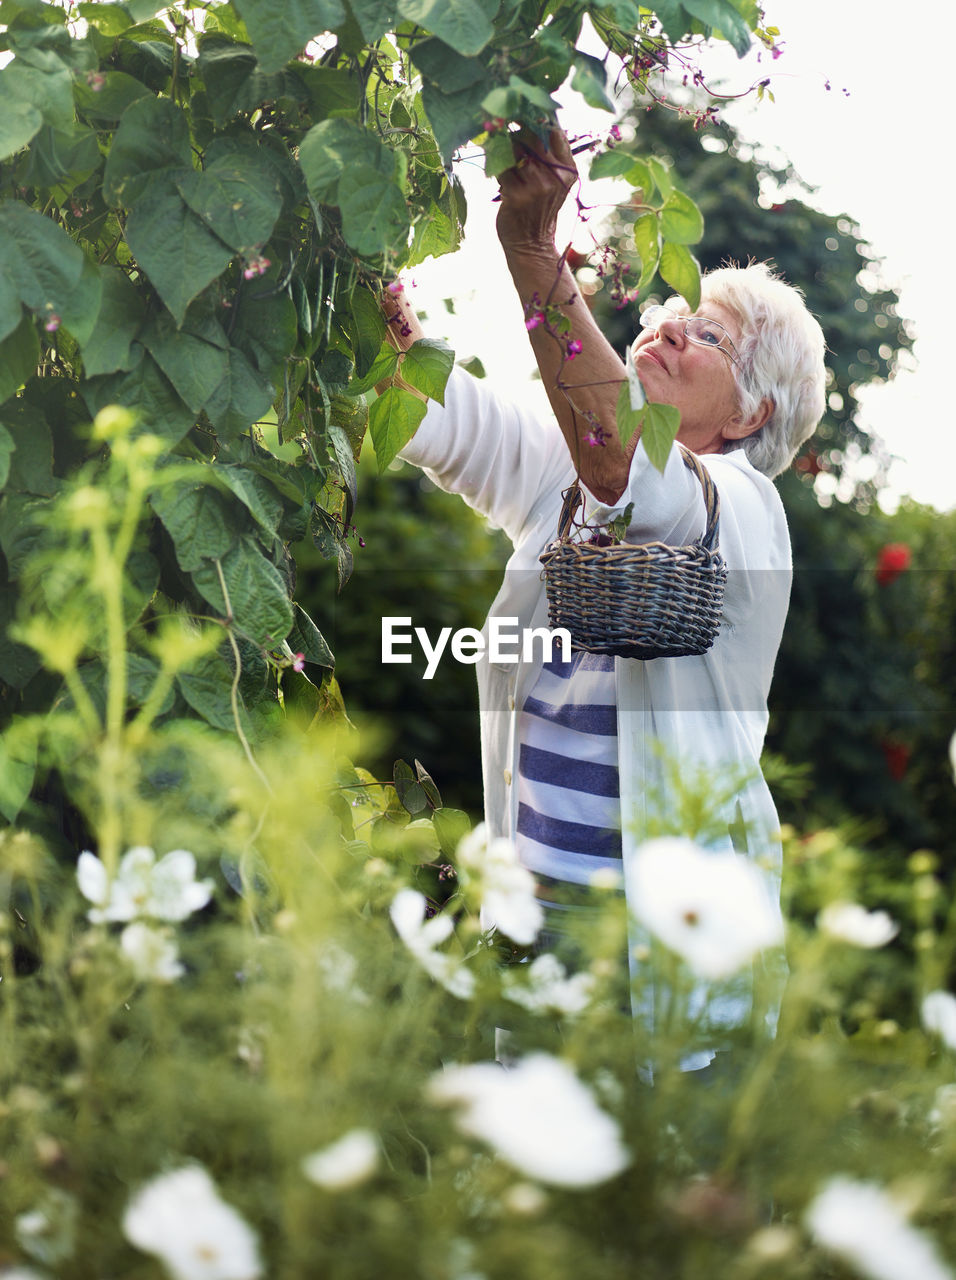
755	206
294	1043
199	210
863	684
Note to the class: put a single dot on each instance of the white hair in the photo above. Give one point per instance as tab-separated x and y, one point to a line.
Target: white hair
781	351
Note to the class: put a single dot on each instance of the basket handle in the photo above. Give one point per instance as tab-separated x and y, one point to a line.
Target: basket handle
711	497
574	499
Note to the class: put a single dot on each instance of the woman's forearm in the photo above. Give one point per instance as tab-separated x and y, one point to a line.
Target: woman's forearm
583	389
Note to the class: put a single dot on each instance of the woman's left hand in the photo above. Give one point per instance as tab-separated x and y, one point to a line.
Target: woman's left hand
533	191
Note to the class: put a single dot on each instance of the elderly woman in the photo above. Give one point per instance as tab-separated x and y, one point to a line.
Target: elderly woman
583	759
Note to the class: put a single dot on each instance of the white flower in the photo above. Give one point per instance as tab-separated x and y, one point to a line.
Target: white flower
346	1163
538	1116
852	923
180	1218
48	1232
716	910
544	985
422	936
505	886
938	1012
164	890
152	953
867	1228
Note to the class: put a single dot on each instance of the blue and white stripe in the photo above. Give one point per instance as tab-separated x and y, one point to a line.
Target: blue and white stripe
569	809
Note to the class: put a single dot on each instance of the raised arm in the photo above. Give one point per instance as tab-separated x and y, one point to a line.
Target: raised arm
583	390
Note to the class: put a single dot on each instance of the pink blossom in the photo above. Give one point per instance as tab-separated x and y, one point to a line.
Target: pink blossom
53	323
298	662
396	287
532	322
574	348
615	133
256	266
593	438
96	80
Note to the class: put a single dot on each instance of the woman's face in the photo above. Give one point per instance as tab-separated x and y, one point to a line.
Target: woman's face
698	380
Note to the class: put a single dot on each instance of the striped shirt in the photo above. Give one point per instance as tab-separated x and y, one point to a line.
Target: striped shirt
569	808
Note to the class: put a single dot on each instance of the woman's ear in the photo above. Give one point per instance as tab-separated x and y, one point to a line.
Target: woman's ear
739	428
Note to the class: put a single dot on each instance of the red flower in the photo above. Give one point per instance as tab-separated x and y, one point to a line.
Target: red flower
893	559
897	756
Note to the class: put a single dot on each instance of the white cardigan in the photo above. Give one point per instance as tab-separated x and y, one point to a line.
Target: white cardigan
679	719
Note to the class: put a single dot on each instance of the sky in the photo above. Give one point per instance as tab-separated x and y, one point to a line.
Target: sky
876	153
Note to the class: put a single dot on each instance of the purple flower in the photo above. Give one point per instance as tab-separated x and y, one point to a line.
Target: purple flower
53	323
574	348
532	322
396	287
615	133
298	662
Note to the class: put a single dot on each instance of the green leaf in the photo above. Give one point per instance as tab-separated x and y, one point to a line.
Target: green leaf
7	446
426	366
499	154
257	495
464	24
393	419
19	122
681	220
146	391
681	270
628	419
237	199
242	397
452	825
435	234
305	638
40	259
454	117
18	766
174	247
375	17
48	89
590	81
111	19
109	102
724	18
661	174
375	216
611	164
19	356
79	309
647	242
384	365
658	432
280	32
194	366
445	67
109	346
410	792
332	147
368	329
196	519
207	688
532	93
31	465
153	135
258	598
10	309
640	177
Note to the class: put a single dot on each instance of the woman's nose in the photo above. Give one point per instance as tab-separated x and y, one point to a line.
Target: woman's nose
671	328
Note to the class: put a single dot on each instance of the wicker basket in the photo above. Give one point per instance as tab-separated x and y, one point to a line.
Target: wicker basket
647	600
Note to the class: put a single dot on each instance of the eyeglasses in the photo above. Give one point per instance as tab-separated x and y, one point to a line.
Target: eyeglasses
706	333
